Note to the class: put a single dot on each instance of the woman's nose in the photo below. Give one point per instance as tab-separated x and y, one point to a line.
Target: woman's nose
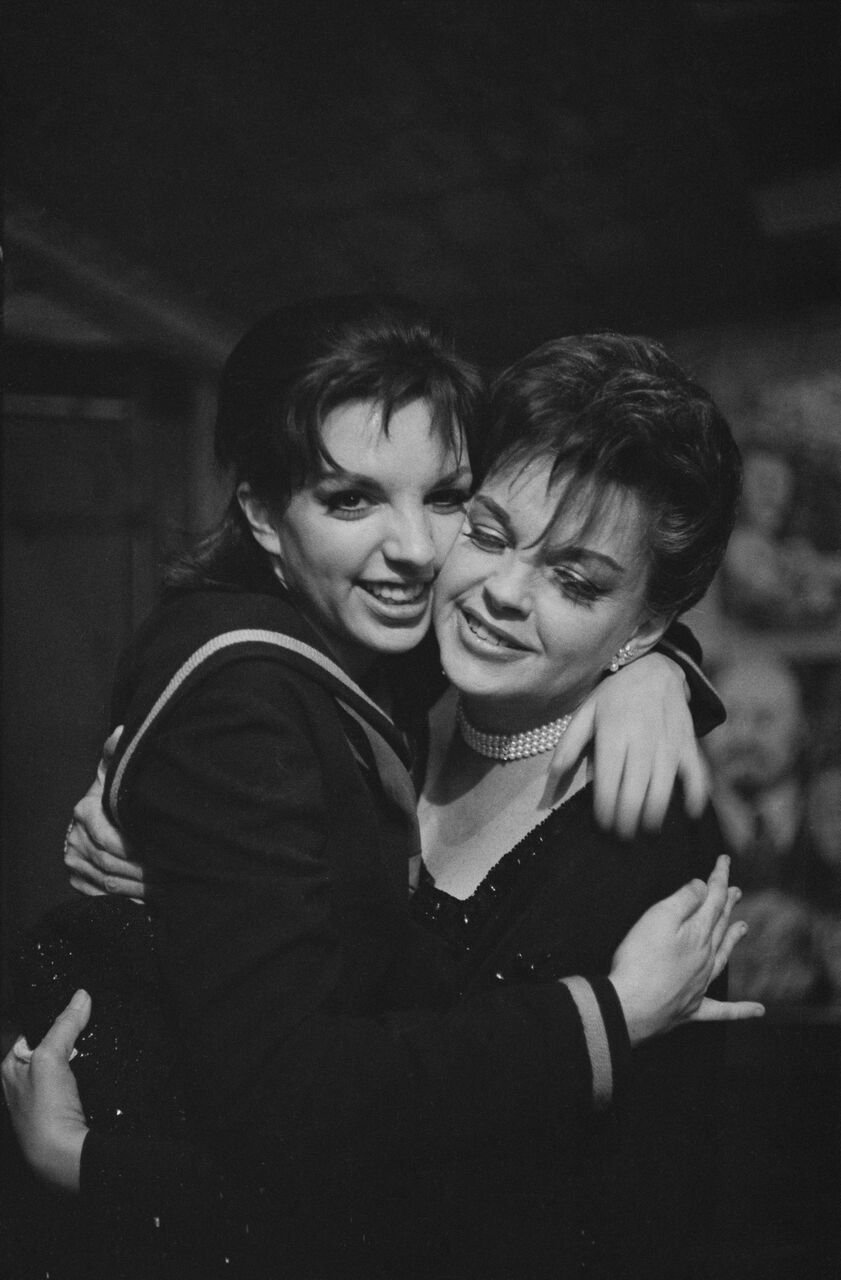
508	588
410	540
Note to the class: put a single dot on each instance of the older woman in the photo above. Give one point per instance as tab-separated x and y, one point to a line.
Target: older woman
603	516
262	783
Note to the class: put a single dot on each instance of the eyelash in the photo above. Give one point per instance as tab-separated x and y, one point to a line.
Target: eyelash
577	589
452	500
334	503
484	539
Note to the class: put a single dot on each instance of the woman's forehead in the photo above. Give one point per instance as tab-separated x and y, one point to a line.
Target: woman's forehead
359	437
570	506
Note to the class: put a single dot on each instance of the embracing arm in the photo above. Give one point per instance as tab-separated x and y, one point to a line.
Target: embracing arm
284	915
95	854
642	725
156	1175
278	958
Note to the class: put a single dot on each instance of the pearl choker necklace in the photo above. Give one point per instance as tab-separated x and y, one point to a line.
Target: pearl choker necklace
511	746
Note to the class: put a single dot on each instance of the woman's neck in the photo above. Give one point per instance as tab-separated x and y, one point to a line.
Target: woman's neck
498	716
474	809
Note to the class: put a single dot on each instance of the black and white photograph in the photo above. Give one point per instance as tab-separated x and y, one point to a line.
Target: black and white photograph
421	640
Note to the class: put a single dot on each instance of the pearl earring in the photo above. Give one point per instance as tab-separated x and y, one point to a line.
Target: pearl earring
624	655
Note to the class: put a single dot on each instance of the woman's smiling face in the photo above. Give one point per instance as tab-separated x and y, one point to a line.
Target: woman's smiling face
531	607
361	546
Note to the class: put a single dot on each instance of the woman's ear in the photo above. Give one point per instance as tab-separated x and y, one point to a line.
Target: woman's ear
648	633
259	520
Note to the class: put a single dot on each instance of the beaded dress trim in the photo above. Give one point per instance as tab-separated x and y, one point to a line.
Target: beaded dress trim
458	921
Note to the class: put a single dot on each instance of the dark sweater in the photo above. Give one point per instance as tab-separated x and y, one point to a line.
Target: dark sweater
323	1056
635	1199
322	1052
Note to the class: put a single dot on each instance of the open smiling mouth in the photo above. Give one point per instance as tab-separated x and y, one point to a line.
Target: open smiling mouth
484	633
397	593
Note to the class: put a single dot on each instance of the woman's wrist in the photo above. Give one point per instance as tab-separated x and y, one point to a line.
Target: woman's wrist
60	1163
640	1021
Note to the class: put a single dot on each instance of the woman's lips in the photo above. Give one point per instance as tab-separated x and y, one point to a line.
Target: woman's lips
487	634
397	601
396	593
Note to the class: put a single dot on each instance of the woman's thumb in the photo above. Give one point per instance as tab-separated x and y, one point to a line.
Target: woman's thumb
69	1024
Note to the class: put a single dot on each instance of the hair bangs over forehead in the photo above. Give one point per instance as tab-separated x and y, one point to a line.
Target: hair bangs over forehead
586	502
389	378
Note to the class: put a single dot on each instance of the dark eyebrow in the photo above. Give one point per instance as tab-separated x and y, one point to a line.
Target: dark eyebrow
359	479
354	479
455	476
495	510
574	552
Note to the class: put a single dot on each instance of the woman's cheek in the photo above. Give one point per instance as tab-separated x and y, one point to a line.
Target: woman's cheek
445	532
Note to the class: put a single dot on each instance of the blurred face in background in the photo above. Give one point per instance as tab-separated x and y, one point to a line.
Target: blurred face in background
767	488
760	742
823	809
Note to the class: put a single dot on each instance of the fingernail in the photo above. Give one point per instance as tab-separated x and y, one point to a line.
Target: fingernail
21	1049
79	1000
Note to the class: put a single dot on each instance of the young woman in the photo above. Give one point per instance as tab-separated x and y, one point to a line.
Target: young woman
269	804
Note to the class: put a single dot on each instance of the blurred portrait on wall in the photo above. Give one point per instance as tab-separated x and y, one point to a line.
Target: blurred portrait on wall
783	566
776	766
771	631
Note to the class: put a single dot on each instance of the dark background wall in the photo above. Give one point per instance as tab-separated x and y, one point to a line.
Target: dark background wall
536	166
176	167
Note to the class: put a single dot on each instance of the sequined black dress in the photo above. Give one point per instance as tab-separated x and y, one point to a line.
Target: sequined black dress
130	1086
492	1101
631	1201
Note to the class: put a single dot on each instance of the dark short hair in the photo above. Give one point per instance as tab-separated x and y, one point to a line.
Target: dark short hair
298	364
290	371
606	410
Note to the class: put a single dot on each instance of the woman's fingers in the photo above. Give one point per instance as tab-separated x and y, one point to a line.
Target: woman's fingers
723	923
631	794
726	1010
62	1035
716	899
570	749
86	887
90	828
59	1042
108	754
43	1099
686	900
96	871
94	851
609	764
694	773
100	860
734	935
659	795
116	886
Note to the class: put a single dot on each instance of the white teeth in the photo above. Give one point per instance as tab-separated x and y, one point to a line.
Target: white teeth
490	637
394	593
